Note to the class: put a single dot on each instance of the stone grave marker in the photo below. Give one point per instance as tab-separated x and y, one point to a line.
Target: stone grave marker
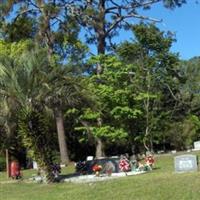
197	145
35	165
185	163
114	162
103	162
89	158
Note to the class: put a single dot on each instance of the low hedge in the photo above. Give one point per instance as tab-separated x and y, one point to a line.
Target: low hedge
2	164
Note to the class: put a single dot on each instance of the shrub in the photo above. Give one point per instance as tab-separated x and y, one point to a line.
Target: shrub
2	164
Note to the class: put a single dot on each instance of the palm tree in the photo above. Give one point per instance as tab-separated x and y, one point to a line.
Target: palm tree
61	92
20	83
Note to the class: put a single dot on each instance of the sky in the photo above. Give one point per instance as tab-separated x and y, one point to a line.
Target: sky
184	22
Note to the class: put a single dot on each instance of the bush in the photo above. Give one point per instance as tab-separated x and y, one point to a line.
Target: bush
2	164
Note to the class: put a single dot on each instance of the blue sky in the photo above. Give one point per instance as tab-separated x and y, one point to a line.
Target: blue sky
185	23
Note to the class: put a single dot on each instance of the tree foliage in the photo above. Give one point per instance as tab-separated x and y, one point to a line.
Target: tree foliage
21	87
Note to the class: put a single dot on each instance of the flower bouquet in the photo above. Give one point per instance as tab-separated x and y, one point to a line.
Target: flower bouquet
149	160
124	165
97	168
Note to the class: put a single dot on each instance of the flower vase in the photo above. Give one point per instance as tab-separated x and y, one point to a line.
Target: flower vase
97	173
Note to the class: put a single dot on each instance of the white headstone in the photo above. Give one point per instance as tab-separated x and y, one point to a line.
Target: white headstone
90	158
173	151
35	166
197	145
185	163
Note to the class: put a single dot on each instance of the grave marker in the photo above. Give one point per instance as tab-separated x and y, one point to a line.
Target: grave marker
185	163
197	145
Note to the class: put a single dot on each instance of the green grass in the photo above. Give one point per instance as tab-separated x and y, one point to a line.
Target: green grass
160	184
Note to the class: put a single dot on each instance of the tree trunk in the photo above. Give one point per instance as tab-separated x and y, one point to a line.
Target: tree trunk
99	148
61	137
101	33
46	172
48	39
33	129
101	43
145	139
101	46
99	143
147	109
7	163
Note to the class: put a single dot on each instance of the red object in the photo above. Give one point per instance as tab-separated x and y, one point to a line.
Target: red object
124	165
15	170
97	168
149	160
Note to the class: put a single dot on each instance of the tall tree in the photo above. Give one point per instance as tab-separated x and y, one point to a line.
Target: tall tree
155	74
110	107
103	19
62	91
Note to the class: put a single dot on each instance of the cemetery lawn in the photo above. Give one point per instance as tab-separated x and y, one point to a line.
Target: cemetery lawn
160	184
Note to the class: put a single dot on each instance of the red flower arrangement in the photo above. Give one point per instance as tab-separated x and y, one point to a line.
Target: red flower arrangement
97	168
149	160
124	165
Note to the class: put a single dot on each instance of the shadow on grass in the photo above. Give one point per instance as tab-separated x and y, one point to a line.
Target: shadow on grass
156	168
62	177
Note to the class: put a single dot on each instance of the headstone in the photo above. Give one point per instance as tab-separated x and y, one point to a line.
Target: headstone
90	158
197	145
133	158
185	163
160	151
103	162
109	168
173	151
35	166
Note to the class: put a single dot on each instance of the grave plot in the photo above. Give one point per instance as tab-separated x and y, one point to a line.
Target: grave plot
107	169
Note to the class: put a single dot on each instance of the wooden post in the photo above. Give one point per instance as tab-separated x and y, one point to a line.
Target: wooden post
7	164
